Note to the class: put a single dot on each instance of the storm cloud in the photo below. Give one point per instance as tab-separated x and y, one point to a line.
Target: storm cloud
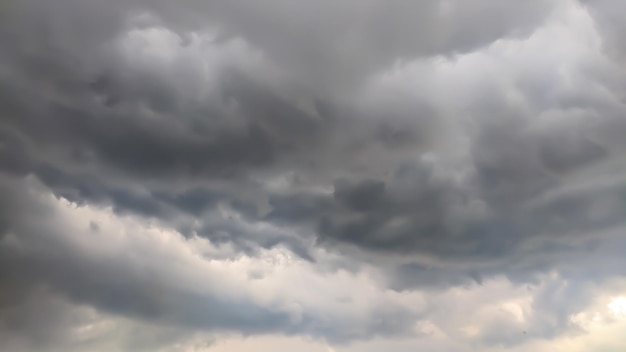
348	172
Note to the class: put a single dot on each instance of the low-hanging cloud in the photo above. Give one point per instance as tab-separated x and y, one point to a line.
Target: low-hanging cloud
422	146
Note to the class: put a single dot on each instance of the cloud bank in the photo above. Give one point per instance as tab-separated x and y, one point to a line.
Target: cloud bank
337	175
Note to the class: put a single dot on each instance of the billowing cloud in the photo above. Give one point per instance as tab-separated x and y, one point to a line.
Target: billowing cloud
347	172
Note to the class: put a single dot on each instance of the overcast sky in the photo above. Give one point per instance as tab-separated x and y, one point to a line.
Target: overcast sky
316	176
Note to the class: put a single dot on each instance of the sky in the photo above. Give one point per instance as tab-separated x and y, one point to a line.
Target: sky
315	176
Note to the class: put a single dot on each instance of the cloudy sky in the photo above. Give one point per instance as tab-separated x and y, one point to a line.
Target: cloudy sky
316	176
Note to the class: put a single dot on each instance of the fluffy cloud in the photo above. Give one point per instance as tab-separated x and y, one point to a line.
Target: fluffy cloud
440	174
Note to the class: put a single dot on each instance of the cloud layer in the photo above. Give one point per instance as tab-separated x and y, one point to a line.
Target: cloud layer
440	174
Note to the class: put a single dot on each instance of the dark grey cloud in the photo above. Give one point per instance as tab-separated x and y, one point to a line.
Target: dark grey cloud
45	322
266	125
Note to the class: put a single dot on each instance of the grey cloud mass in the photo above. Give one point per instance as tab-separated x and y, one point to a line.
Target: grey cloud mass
197	170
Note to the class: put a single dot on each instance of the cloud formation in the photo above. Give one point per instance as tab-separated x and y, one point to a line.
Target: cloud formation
341	171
